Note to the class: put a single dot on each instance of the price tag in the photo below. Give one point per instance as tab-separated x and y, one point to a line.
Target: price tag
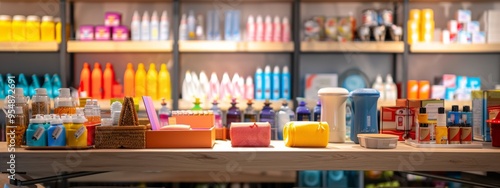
80	132
38	133
57	132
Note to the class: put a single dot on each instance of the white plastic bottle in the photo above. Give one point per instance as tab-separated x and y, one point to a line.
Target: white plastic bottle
155	27
391	90
135	26
145	34
277	29
250	32
200	35
268	29
379	86
259	29
249	88
191	26
164	26
286	30
183	33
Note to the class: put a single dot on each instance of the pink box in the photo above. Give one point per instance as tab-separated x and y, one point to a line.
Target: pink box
102	33
449	80
120	33
112	19
86	32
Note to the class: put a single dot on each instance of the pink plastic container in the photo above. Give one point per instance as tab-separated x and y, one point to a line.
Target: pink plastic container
86	32
102	33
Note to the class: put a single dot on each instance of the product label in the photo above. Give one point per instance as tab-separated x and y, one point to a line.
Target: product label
441	135
432	110
250	118
38	133
80	132
454	135
218	121
276	89
258	87
466	135
57	132
424	135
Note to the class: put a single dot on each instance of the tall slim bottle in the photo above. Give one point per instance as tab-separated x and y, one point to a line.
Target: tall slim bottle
164	84
97	81
152	82
140	81
85	81
128	81
108	81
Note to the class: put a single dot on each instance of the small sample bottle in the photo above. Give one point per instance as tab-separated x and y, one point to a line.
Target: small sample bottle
453	125
267	115
164	113
218	114
441	129
40	103
36	135
64	103
77	132
303	113
466	128
249	115
233	114
197	103
56	133
317	111
424	132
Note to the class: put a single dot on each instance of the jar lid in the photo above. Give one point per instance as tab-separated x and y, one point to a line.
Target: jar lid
365	92
57	19
333	91
5	18
56	120
79	119
19	95
41	91
47	19
33	18
66	119
38	119
19	18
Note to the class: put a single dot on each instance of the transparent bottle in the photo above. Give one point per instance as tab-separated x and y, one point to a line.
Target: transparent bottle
40	103
64	103
250	115
97	111
20	101
16	123
164	113
88	111
218	114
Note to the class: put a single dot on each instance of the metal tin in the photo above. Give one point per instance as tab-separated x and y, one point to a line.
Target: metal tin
370	17
385	17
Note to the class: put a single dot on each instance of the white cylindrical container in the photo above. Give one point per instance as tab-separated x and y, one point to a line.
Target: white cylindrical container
333	105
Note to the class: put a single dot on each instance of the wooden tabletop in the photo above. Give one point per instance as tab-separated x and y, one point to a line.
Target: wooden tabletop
223	159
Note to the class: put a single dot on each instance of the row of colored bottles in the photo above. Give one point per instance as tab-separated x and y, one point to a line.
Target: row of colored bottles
272	85
208	90
50	83
388	90
154	28
269	30
57	131
29	28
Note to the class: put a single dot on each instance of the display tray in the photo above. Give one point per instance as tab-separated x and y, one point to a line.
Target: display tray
56	147
474	145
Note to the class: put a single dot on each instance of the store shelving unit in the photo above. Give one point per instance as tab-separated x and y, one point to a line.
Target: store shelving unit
230	46
119	46
29	47
361	47
454	48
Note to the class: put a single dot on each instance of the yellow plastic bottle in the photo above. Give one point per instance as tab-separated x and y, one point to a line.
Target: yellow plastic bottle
67	123
48	28
19	28
32	28
5	28
57	20
152	84
77	133
140	81
164	85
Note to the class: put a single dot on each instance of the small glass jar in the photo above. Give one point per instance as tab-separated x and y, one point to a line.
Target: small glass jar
40	103
64	104
16	127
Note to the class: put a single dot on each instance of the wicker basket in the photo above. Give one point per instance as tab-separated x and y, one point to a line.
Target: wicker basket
115	137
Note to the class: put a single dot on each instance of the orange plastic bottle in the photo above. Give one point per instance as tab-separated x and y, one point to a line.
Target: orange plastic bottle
152	83
85	82
128	80
108	81
97	81
140	81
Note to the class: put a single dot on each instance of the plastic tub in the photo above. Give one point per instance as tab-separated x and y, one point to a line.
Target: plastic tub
378	141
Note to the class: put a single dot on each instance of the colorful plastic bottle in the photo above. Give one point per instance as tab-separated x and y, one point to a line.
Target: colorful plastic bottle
145	28
135	26
85	81
96	82
108	81
56	133
77	132
218	114
164	83
128	81
19	28
33	28
48	85
276	85
267	115
213	94
5	28
317	112
250	115
233	114
140	81
197	103
152	82
204	86
286	30
285	84
164	26
164	113
284	116
441	129
249	88
303	113
56	84
155	26
22	83
237	90
48	29
34	85
259	84
47	118
2	86
277	29
267	83
36	135
67	122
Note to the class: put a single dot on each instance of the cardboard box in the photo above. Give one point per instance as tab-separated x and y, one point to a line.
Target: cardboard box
86	33
481	102
112	19
398	120
432	106
102	33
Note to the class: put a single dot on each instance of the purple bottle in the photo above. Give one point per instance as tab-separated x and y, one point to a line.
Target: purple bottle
233	114
317	111
267	115
303	113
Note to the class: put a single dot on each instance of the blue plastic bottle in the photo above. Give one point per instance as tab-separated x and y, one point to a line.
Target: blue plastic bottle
2	86
48	85
275	95
227	26
34	85
36	135
311	178
453	116
23	83
267	82
317	112
259	84
303	113
285	83
235	25
267	115
364	106
56	85
56	134
6	85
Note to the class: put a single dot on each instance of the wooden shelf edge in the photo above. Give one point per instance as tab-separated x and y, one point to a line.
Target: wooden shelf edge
454	48
118	46
29	46
233	46
362	47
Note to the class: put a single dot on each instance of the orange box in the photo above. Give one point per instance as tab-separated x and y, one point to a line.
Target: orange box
202	121
197	138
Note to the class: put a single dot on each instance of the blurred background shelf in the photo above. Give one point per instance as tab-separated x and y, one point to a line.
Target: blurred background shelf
119	46
454	48
230	46
242	104
368	47
29	47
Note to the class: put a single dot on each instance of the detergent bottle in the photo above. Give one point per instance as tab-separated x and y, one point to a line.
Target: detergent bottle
164	84
140	81
152	82
128	80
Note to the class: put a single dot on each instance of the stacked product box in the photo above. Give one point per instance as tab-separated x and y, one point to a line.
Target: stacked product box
491	25
111	30
455	87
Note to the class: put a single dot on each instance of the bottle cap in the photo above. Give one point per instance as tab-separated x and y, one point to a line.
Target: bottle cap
19	18
249	102
47	117
66	119
423	110
466	108
41	91
47	19
116	106
33	18
79	119
454	108
5	18
57	19
38	119
284	103
19	97
441	110
267	102
56	120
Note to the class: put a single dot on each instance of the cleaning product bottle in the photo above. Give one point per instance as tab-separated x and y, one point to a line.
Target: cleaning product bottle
277	29
288	110
56	84
164	84
213	93
2	86
97	81
197	103
259	29
227	25
268	29
140	81
391	90
152	83
23	83
250	28
286	30
204	86
317	111
47	85
267	115
85	81
128	81
145	27
199	28
48	29
34	84
303	113
5	28
380	87
249	115
191	26
259	84
216	26
233	114
210	25
218	114
108	79
56	133
67	122
276	85
441	129
164	26
225	87
183	32
285	84
267	82
19	28
237	90
186	88
154	27
77	132
36	135
164	113
135	27
32	28
235	25
64	103
195	84
249	88
282	118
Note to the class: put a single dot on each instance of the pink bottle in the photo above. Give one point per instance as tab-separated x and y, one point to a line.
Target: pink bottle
259	29
268	29
214	90
285	30
226	87
250	28
277	29
249	89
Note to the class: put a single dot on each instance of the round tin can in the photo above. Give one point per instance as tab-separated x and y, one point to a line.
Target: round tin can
385	17
370	17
